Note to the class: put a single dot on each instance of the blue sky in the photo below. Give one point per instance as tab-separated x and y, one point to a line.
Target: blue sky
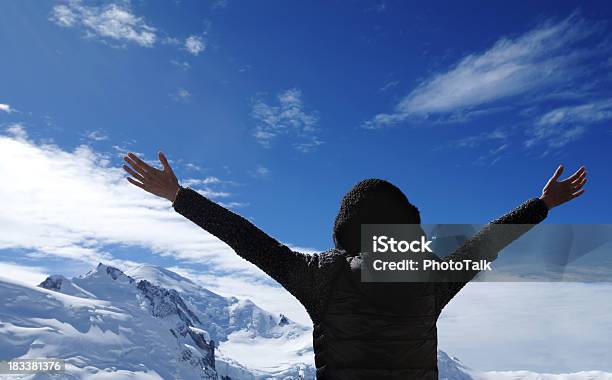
276	109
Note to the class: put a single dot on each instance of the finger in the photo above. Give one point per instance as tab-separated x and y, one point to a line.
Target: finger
580	178
580	184
577	194
577	174
164	161
134	182
135	165
140	162
133	173
557	174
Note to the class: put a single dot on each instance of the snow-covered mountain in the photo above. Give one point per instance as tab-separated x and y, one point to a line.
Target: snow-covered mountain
151	323
148	324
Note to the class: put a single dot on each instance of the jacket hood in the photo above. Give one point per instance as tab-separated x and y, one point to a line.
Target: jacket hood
371	201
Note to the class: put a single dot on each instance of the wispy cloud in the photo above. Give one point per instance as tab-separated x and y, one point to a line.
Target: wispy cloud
562	125
6	108
547	57
389	85
202	181
473	141
555	136
219	4
491	145
584	114
181	94
97	135
287	117
260	172
115	22
492	156
195	45
181	64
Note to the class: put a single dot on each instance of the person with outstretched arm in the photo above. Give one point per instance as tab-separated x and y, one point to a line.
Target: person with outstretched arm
361	330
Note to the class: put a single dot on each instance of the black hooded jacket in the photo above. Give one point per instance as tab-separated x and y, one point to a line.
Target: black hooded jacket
361	330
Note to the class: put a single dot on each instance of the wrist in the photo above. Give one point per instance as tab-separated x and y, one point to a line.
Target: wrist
175	195
547	201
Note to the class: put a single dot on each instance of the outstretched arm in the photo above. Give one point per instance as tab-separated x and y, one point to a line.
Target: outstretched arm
494	237
293	270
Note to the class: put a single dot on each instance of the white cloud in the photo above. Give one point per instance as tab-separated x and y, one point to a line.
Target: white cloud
97	135
309	146
233	205
181	95
195	45
473	141
260	172
588	113
563	125
219	4
202	181
555	136
31	275
208	193
112	21
287	118
17	130
169	40
63	15
181	64
546	57
6	108
389	85
490	145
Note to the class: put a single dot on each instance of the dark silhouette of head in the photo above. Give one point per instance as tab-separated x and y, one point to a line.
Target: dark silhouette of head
371	201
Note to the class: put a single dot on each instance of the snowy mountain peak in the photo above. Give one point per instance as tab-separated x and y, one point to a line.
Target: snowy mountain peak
61	284
103	270
53	282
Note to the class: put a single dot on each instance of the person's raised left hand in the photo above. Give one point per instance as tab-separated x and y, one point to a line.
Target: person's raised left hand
557	192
